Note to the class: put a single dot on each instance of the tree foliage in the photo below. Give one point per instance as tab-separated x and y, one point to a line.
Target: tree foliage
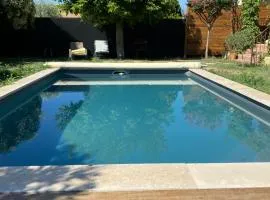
16	13
120	12
47	10
250	13
209	10
241	40
102	12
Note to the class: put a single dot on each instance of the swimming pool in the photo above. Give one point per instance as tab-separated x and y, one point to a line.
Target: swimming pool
106	117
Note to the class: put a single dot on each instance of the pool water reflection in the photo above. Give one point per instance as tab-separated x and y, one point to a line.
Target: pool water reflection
106	124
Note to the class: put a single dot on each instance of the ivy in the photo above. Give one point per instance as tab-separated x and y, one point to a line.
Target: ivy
250	14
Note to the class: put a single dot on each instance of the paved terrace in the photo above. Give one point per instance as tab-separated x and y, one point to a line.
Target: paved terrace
188	179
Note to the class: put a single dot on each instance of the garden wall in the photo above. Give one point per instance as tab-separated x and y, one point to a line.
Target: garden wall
51	37
197	32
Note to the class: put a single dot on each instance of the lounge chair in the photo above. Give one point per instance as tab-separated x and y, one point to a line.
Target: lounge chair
77	49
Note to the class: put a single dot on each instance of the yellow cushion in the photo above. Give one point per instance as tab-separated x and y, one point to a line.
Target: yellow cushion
79	52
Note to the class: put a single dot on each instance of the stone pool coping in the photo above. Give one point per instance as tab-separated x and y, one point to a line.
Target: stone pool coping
24	82
129	65
135	177
250	93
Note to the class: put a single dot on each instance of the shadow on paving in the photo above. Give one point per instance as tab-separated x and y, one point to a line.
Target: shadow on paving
24	181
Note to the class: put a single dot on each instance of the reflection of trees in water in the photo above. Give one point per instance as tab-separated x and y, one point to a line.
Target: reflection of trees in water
251	132
115	121
21	125
66	113
208	111
202	108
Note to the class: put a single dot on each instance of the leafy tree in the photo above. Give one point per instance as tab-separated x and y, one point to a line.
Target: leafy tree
242	40
208	12
120	12
16	13
47	10
245	39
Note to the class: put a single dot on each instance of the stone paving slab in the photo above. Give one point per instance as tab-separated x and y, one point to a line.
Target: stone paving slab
217	176
134	177
94	178
128	65
251	93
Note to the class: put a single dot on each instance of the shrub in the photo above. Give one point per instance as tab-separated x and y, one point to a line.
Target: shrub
5	74
241	40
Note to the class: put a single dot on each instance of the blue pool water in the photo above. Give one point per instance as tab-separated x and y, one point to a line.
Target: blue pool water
130	123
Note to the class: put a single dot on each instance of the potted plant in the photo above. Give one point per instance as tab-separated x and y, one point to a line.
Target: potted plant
230	45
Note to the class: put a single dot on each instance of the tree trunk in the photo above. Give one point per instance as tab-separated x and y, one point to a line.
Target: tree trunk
207	42
120	41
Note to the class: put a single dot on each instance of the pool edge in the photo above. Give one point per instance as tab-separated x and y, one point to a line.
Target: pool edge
134	177
128	65
256	96
25	82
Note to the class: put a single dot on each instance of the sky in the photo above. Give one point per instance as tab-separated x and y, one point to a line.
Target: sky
182	3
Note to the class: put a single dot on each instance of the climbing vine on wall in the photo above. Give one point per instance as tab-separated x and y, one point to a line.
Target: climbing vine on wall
250	14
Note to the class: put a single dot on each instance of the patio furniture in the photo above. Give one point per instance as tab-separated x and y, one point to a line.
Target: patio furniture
77	49
101	48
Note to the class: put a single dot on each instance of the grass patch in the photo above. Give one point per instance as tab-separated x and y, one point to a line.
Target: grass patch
14	69
255	76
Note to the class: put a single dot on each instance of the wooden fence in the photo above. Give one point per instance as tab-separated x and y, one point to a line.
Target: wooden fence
196	32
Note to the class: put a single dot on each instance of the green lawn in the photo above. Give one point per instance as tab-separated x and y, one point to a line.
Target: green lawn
14	69
257	77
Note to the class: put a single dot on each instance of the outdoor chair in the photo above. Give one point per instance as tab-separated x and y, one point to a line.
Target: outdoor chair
101	48
77	49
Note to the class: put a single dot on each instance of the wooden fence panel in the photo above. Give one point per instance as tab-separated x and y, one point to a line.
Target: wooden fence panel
197	32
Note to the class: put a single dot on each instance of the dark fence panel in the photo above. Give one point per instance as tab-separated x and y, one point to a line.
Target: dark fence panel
50	37
163	40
